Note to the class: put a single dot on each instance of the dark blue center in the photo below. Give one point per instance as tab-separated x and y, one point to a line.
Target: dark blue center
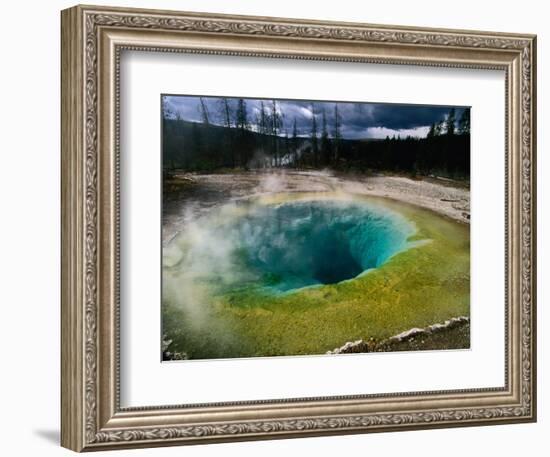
298	244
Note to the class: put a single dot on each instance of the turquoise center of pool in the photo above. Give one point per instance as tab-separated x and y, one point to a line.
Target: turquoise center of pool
306	243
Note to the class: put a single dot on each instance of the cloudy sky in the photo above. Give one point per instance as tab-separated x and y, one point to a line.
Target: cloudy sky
358	120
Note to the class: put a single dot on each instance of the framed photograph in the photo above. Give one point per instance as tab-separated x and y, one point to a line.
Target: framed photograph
276	228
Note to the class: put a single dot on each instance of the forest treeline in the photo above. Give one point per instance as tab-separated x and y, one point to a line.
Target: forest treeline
271	141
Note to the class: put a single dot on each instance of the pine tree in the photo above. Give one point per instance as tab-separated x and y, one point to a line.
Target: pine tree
262	127
275	126
225	112
263	120
450	122
242	116
431	132
241	123
228	146
337	135
325	143
438	128
314	142
204	112
166	111
288	147
295	144
464	122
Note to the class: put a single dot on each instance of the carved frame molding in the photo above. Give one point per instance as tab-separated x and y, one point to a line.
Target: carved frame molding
92	40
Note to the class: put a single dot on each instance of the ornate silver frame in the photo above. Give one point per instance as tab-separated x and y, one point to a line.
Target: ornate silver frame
92	40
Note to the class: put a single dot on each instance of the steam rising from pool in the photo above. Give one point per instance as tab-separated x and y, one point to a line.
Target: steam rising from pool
278	246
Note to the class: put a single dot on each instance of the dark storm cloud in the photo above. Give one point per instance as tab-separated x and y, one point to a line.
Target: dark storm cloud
358	120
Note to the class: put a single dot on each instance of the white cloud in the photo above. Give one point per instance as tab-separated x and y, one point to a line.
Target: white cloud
306	112
383	132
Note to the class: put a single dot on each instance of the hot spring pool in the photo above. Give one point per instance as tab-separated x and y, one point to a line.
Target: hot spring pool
297	273
288	245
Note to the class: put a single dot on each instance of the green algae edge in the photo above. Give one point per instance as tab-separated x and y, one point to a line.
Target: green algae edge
427	283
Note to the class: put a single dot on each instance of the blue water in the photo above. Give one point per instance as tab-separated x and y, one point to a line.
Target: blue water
298	244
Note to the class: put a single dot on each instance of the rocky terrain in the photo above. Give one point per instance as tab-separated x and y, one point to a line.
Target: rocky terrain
436	336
